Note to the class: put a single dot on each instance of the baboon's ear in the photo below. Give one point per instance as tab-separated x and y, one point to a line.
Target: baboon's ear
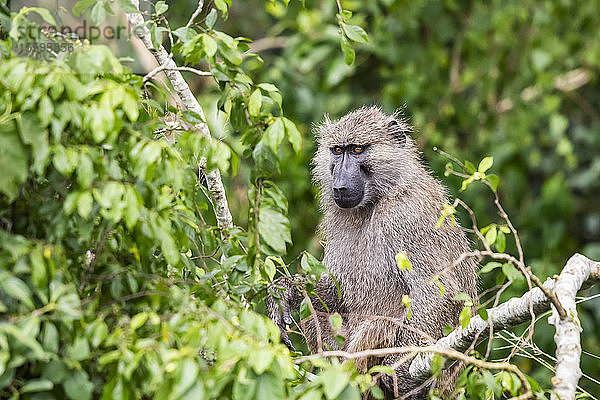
397	131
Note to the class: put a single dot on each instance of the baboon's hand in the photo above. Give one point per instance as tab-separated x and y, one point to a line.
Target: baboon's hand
278	309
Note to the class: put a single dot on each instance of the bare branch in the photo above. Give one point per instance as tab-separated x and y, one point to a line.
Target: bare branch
568	343
160	68
213	178
516	311
196	13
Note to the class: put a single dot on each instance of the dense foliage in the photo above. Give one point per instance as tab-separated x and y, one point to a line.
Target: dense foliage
115	280
514	80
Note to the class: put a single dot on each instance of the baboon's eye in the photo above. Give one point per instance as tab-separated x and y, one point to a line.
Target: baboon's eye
337	150
357	149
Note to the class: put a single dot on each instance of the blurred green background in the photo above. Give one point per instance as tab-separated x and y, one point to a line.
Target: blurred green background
517	80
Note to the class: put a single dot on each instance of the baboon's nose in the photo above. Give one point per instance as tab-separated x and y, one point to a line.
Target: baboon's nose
340	191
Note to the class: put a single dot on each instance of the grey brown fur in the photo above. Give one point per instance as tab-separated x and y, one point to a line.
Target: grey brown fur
399	213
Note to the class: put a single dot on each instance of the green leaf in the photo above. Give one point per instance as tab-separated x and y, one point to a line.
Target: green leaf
138	320
129	104
491	383
98	13
160	7
17	289
500	241
79	350
274	229
211	18
482	312
83	5
261	360
254	103
470	167
462	296
406	303
50	337
85	171
269	87
347	50
485	164
65	160
293	134
269	386
78	386
465	316
210	45
35	135
310	265
187	374
221	5
355	33
448	169
13	161
512	273
466	183
489	267
156	35
274	135
37	385
132	207
229	51
127	6
185	34
382	368
38	269
335	320
99	332
42	12
85	203
55	371
304	309
403	262
23	338
493	180
437	362
333	381
269	269
377	392
491	234
505	229
244	388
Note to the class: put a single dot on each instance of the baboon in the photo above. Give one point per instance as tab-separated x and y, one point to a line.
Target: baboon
379	200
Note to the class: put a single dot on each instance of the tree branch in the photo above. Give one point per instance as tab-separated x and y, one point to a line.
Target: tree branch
196	13
578	270
450	353
568	345
160	68
213	178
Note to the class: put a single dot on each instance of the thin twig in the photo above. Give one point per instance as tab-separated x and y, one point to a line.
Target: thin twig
315	319
160	68
195	14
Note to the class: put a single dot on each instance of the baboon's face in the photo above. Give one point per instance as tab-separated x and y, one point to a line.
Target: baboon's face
361	158
349	173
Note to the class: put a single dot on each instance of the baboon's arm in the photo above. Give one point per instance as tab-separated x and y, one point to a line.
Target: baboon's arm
287	295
